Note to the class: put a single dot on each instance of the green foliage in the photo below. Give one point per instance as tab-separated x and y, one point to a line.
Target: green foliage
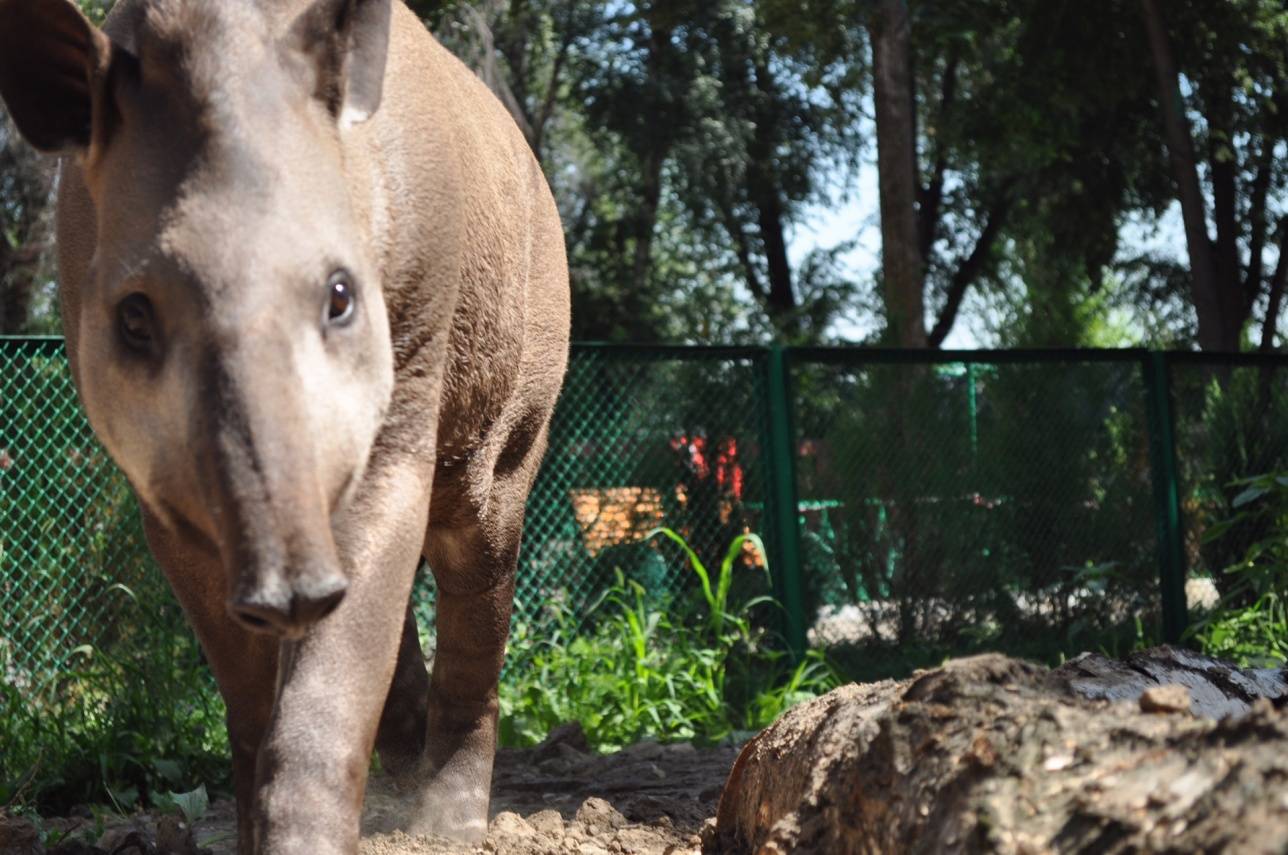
125	725
1250	624
646	668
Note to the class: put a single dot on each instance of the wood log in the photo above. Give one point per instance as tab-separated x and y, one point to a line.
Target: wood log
994	754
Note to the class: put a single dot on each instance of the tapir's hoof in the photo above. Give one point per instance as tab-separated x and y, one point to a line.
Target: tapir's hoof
459	815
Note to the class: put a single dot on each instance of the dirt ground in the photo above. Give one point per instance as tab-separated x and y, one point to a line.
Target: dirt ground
559	797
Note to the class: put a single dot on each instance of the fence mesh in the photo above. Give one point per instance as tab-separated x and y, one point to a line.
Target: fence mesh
71	546
942	504
960	506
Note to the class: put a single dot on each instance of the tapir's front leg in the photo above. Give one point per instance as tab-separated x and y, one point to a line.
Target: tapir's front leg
313	764
244	663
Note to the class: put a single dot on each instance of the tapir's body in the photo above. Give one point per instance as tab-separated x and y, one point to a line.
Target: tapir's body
295	461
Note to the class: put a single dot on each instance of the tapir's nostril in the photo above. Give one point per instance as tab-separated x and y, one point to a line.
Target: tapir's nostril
310	609
291	614
254	621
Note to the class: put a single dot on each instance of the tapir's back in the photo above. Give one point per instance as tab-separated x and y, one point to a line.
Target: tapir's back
469	228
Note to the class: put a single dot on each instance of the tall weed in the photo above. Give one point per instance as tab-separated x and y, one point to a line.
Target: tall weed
1250	623
638	667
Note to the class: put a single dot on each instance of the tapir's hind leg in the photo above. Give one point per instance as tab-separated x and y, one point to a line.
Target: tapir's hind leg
244	663
400	738
473	563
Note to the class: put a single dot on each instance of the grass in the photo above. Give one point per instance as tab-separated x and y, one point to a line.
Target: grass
1250	623
639	667
122	727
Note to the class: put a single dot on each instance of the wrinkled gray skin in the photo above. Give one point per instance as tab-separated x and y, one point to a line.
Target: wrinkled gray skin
225	160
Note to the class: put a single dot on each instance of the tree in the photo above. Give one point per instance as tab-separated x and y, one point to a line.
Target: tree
1230	57
26	231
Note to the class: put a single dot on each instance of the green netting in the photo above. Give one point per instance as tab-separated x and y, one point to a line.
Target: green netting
943	503
961	506
1231	422
71	546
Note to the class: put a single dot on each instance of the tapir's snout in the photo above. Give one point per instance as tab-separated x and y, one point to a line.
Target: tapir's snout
273	482
270	603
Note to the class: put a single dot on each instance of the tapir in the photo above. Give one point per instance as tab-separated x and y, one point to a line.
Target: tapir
315	295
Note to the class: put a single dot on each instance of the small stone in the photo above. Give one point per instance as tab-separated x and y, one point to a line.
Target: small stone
1172	698
981	753
174	837
18	835
77	846
646	750
568	735
128	839
509	822
707	835
657	771
547	822
598	815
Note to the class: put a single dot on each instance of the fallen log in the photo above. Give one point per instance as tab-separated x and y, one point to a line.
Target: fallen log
994	754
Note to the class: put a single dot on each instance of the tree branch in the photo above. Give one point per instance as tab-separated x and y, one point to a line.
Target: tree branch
1257	224
931	197
552	93
968	271
1270	324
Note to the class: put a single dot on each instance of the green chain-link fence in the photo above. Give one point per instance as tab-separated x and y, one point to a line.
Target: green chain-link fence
914	505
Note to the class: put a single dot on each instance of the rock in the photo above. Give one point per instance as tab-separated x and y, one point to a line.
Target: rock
1172	698
175	837
993	754
76	846
597	816
646	750
568	735
508	822
18	836
1216	688
132	839
548	822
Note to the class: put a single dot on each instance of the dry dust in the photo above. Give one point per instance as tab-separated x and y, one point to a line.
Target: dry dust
559	797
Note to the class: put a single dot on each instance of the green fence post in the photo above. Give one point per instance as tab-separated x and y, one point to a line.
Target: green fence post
786	516
1167	495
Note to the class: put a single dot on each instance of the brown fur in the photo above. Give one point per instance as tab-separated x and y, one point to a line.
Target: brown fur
283	470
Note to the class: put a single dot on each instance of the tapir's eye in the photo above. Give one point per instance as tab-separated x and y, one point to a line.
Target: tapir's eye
136	323
340	299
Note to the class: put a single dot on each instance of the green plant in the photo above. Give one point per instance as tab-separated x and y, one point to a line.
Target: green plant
643	668
123	724
1250	623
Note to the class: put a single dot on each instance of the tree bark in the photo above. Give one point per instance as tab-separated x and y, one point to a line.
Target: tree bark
901	261
1269	326
991	754
1205	289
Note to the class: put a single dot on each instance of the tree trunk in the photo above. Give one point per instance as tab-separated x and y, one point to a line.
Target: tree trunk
1214	327
993	754
901	263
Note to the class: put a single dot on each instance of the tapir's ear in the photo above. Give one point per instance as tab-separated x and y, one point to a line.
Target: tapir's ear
52	61
348	42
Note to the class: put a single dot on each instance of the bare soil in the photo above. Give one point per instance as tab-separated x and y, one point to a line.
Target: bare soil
559	797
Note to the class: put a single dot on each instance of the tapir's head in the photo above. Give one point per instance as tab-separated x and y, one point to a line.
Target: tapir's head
233	348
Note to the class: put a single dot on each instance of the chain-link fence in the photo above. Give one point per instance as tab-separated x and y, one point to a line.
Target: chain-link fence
915	505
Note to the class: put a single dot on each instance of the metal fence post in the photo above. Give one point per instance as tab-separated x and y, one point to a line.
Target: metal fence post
786	516
1167	498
